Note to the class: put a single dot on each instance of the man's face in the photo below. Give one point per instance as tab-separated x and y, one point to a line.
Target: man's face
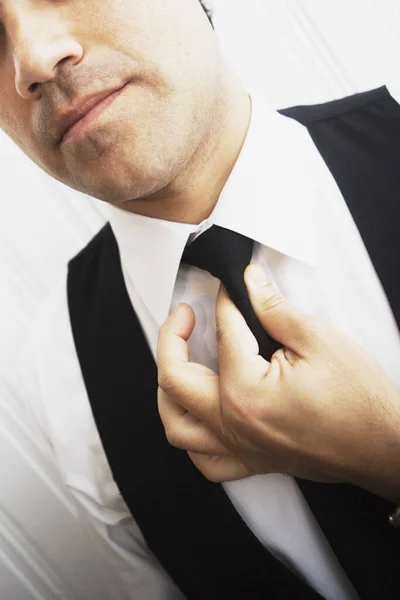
160	54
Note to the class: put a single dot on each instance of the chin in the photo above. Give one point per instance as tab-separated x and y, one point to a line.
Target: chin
118	186
126	170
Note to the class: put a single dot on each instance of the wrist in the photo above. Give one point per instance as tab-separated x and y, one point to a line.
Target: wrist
379	471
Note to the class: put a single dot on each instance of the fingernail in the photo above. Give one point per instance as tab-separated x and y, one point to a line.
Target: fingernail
258	275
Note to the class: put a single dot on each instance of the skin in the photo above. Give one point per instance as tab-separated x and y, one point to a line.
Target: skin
167	144
322	409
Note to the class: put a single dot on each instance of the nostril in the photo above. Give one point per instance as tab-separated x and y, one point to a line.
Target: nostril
32	88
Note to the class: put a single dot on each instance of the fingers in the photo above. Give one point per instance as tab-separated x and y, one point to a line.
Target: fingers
195	389
237	346
280	318
193	386
185	431
220	468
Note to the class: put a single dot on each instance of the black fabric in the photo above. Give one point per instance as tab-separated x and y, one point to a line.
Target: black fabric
310	115
225	254
359	139
188	522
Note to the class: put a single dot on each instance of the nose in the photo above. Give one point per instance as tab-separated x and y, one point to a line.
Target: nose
39	46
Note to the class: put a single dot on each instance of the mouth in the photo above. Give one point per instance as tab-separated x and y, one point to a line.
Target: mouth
78	119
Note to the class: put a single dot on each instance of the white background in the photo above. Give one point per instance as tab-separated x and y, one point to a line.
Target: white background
290	51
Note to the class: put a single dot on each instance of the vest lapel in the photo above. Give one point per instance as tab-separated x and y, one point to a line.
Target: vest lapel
188	522
359	139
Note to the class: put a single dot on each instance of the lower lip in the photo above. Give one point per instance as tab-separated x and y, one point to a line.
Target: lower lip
80	126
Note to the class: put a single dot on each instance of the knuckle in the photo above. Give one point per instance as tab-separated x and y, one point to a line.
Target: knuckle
273	302
220	332
213	477
211	473
166	379
279	358
173	437
208	465
317	333
236	397
229	393
237	413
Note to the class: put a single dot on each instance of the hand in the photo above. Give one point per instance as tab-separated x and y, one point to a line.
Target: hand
322	409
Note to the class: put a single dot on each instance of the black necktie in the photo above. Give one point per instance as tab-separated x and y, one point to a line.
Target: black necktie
226	254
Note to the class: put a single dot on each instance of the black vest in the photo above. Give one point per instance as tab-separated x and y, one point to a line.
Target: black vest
188	522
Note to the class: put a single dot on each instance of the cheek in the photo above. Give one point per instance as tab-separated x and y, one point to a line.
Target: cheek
16	123
14	110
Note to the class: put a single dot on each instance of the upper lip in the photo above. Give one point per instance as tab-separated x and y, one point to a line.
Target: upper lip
72	116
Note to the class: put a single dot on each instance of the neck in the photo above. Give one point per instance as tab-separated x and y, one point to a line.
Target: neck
193	195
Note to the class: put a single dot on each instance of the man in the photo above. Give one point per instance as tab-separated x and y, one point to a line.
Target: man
132	103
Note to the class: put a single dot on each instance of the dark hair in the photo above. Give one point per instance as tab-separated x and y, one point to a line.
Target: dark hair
207	11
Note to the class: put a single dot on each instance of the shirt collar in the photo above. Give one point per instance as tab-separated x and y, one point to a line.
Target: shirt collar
267	197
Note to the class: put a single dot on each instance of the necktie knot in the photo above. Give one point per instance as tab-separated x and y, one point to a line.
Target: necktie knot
223	253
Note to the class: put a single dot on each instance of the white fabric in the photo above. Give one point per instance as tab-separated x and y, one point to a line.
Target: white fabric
281	194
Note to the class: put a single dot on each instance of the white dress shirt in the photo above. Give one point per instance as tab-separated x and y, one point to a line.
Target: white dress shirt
282	195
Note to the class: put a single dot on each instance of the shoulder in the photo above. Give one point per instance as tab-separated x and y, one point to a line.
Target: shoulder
49	350
45	346
49	369
95	247
50	321
49	342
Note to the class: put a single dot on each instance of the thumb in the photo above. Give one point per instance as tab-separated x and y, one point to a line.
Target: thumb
282	320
